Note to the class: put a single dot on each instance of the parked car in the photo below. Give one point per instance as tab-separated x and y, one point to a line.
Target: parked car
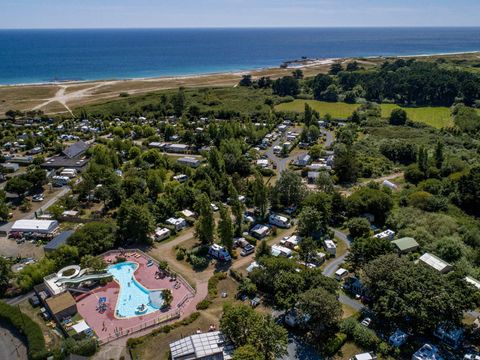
247	250
38	198
366	322
34	300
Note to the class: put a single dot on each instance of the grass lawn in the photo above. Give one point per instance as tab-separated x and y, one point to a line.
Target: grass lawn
437	117
52	340
156	347
347	351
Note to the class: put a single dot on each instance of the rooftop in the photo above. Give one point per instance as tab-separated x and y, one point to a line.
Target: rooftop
405	244
199	346
58	240
75	149
435	262
61	302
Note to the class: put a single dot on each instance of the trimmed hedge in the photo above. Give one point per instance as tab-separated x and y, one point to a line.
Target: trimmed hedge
26	326
334	344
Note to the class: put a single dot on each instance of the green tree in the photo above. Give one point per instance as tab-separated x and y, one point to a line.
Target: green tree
5	275
260	195
286	86
178	102
398	117
246	80
243	326
246	352
320	310
358	227
335	68
205	224
135	223
366	249
225	228
439	157
469	191
94	238
93	262
18	185
311	222
289	188
297	74
308	250
414	296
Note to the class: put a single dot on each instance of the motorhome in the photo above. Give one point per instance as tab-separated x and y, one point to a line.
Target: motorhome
219	252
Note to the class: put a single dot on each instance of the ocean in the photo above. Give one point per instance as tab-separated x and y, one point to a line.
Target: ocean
38	56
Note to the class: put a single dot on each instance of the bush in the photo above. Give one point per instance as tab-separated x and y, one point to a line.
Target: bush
334	344
361	335
213	283
198	262
85	347
203	305
180	254
26	326
236	275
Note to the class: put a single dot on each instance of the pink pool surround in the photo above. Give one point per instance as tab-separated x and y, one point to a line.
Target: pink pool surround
106	325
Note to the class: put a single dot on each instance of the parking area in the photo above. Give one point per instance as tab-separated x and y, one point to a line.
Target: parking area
10	248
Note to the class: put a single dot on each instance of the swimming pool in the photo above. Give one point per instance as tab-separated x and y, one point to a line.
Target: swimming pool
132	294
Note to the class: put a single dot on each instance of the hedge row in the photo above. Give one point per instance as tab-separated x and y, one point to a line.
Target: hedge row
334	344
26	326
135	342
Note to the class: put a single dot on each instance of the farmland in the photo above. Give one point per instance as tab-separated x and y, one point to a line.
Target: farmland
438	117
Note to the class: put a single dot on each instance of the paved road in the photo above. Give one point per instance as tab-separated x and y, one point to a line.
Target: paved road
65	190
18	299
330	138
11	347
330	269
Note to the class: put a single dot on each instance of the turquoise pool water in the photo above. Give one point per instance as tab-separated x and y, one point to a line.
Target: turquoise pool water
132	293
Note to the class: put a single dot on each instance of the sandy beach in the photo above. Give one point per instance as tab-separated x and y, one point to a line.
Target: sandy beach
65	96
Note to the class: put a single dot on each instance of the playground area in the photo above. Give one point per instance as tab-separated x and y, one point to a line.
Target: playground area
133	300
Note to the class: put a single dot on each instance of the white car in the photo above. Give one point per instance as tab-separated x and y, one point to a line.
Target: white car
214	207
366	322
38	198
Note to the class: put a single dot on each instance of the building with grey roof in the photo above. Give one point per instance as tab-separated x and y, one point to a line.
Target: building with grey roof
206	346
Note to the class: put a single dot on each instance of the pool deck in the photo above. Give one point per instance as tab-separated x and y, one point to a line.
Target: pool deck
108	327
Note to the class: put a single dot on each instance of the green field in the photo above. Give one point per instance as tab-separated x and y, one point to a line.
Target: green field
438	117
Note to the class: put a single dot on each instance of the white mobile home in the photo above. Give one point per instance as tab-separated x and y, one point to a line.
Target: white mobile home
161	234
279	221
330	247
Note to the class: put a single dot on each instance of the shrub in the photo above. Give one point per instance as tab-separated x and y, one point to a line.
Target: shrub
204	304
85	347
334	344
26	326
180	254
199	262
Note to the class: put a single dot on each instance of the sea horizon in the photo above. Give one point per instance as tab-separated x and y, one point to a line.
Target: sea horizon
46	56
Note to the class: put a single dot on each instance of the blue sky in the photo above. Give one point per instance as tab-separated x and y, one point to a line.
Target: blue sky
236	13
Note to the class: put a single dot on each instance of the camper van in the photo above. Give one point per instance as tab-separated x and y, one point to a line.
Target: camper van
219	253
70	173
59	181
279	221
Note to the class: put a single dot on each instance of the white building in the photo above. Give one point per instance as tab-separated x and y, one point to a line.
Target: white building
330	247
188	213
279	221
364	356
178	223
47	227
259	231
436	263
341	273
189	161
427	352
161	234
278	250
387	234
263	163
180	178
177	148
209	345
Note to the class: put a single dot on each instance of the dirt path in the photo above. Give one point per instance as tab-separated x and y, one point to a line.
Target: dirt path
63	97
